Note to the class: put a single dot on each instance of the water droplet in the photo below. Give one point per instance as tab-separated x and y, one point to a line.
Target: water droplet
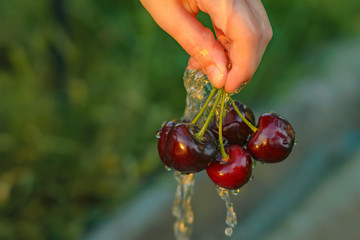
295	143
253	163
251	178
168	168
241	87
235	192
163	124
228	231
157	134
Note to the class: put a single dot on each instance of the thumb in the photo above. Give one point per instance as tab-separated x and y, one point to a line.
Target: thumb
199	42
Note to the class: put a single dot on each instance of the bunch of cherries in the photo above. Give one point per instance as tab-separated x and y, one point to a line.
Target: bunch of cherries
225	148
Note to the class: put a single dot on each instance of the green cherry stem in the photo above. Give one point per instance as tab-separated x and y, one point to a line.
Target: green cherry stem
204	107
203	129
252	127
225	157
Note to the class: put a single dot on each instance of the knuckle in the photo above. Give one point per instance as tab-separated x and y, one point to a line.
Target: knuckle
196	47
268	34
256	33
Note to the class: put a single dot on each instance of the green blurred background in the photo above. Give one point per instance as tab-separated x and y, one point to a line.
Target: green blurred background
84	85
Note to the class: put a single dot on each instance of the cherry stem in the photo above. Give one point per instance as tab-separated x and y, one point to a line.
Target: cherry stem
203	129
252	127
225	157
205	106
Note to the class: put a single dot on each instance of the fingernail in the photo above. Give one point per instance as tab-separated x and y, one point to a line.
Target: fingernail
214	75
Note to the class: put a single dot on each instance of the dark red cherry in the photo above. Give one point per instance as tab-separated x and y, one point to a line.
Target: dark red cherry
187	153
274	139
164	131
233	173
235	131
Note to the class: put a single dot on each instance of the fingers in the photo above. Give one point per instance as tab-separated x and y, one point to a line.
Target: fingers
241	26
178	18
244	30
266	30
248	42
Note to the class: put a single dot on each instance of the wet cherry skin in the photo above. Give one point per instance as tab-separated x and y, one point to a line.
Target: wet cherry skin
185	152
164	131
235	131
274	139
233	173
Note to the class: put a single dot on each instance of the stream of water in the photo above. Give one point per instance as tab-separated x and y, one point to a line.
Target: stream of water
231	219
182	206
198	89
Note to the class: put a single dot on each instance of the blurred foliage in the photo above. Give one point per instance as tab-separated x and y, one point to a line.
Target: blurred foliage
85	84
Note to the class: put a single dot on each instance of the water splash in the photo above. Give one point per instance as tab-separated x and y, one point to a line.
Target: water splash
157	134
235	192
231	219
182	208
198	89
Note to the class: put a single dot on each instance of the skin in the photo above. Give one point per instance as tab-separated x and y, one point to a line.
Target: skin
242	28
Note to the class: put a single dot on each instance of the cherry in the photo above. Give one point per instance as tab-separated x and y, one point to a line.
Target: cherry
273	140
235	130
234	172
187	153
164	131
